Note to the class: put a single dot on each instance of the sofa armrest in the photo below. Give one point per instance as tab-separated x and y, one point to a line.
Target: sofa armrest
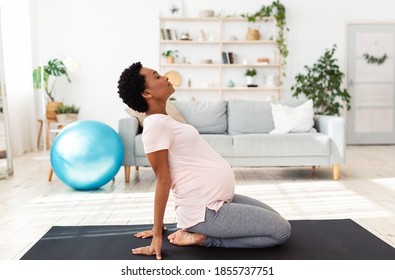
334	127
127	130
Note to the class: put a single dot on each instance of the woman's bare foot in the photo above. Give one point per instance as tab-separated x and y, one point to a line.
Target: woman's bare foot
184	238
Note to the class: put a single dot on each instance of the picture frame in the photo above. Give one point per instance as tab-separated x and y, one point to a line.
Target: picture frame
175	8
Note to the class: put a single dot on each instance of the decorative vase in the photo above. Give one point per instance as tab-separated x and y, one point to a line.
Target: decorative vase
230	84
253	34
250	80
202	36
51	110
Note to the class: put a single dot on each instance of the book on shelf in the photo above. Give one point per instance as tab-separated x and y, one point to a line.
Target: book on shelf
168	34
231	58
225	58
228	58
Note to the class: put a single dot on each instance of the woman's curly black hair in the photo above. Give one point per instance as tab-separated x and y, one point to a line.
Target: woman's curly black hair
131	85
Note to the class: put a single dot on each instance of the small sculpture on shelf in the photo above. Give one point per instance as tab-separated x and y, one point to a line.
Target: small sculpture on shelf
202	36
185	36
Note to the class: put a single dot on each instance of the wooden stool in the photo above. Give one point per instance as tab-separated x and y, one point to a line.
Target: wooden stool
41	123
50	174
56	131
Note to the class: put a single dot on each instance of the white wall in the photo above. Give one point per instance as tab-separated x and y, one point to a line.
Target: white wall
106	36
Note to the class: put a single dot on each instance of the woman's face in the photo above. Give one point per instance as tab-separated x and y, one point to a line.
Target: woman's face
155	84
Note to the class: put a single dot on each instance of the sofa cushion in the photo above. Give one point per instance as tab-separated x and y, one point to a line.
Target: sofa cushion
246	116
223	144
277	145
207	117
250	116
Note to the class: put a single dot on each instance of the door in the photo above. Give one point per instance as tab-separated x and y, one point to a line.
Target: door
371	77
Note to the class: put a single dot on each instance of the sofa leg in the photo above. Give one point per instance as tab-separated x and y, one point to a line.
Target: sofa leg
137	168
336	172
127	173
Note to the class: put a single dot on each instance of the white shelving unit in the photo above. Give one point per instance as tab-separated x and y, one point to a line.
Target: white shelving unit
221	35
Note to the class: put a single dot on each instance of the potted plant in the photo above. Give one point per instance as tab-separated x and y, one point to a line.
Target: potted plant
67	113
322	84
250	73
170	55
56	69
276	10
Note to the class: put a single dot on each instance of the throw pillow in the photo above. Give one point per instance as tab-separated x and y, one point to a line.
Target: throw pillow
138	115
292	119
171	110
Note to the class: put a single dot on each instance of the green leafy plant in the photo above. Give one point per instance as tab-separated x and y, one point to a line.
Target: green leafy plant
169	53
322	83
375	60
67	109
276	10
250	72
55	68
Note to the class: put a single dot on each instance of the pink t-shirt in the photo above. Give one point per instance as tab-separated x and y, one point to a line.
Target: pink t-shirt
200	176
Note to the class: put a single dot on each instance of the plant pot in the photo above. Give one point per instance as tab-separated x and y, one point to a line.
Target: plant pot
253	34
170	59
51	108
250	80
66	118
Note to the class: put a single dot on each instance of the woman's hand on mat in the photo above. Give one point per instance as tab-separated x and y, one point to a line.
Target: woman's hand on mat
147	233
154	249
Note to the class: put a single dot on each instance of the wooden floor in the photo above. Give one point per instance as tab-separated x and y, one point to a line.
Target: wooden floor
30	205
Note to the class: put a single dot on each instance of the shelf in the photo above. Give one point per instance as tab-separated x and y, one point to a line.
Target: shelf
190	19
249	42
229	89
198	88
251	88
189	42
222	29
229	42
241	19
189	65
213	65
251	65
213	19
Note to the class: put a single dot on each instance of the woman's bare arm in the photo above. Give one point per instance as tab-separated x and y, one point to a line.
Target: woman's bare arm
160	164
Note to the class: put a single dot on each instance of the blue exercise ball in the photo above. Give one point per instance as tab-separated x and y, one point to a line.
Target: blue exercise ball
86	154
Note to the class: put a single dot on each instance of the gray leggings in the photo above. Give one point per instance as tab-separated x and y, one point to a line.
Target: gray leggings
243	223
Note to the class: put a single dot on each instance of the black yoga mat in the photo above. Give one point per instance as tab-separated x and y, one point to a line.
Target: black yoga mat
310	240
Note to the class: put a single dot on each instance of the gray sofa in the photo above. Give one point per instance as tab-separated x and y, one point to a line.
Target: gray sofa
239	130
